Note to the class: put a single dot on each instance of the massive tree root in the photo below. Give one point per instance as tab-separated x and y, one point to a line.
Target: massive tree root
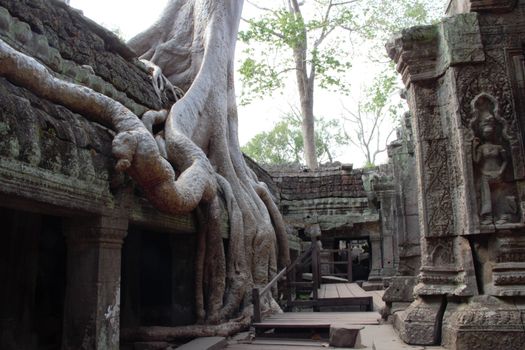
193	43
170	333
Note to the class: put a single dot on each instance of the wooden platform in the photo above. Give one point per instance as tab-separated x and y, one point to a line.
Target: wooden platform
290	319
341	290
351	290
340	295
304	324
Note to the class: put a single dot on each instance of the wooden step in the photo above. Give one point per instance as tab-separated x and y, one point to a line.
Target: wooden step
366	302
318	319
205	343
292	325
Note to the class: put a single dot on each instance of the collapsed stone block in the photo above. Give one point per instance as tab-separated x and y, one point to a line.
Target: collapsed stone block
342	336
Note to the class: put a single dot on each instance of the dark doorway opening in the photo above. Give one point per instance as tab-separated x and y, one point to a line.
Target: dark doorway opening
158	277
360	252
33	272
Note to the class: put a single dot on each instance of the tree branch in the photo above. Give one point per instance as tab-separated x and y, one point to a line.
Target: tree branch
260	7
256	24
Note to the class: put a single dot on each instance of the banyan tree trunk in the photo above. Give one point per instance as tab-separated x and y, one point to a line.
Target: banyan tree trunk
194	43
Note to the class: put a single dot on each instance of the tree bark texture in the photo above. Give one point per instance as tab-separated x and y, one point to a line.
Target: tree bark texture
305	84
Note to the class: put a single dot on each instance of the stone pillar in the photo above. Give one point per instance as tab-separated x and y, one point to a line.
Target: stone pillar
92	302
375	280
424	56
381	196
464	78
399	293
387	198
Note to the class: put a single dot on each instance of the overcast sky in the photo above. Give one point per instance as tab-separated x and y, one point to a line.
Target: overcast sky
132	17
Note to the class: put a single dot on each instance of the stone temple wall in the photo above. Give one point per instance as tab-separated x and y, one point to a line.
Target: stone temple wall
339	202
331	197
464	78
53	155
56	166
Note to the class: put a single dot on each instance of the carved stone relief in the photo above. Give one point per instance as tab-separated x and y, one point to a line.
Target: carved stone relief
492	161
492	79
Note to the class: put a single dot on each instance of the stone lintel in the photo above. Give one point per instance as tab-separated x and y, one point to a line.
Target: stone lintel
106	230
424	53
56	191
375	238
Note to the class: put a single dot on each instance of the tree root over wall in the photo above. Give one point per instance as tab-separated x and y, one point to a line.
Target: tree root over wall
193	43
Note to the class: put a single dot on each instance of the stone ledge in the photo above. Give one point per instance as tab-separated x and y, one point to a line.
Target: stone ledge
36	184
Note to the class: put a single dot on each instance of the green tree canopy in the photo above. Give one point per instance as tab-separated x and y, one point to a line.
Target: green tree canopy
283	144
314	42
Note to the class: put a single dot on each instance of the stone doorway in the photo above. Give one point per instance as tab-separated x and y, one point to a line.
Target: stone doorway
33	274
157	279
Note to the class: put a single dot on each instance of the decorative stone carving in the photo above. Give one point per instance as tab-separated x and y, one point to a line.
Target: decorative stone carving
465	90
400	292
484	323
419	323
458	36
504	267
491	160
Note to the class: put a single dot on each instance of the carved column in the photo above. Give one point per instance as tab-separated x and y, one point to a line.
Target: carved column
379	186
406	223
374	278
423	56
92	303
389	256
470	173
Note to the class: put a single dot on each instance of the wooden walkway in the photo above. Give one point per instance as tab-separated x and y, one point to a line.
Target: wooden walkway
276	330
373	337
343	295
341	290
333	298
318	319
305	324
351	290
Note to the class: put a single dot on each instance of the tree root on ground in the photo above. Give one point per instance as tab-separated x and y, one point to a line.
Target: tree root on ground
170	333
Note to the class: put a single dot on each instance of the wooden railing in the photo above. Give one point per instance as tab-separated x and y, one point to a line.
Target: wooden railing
311	254
348	274
309	259
257	294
